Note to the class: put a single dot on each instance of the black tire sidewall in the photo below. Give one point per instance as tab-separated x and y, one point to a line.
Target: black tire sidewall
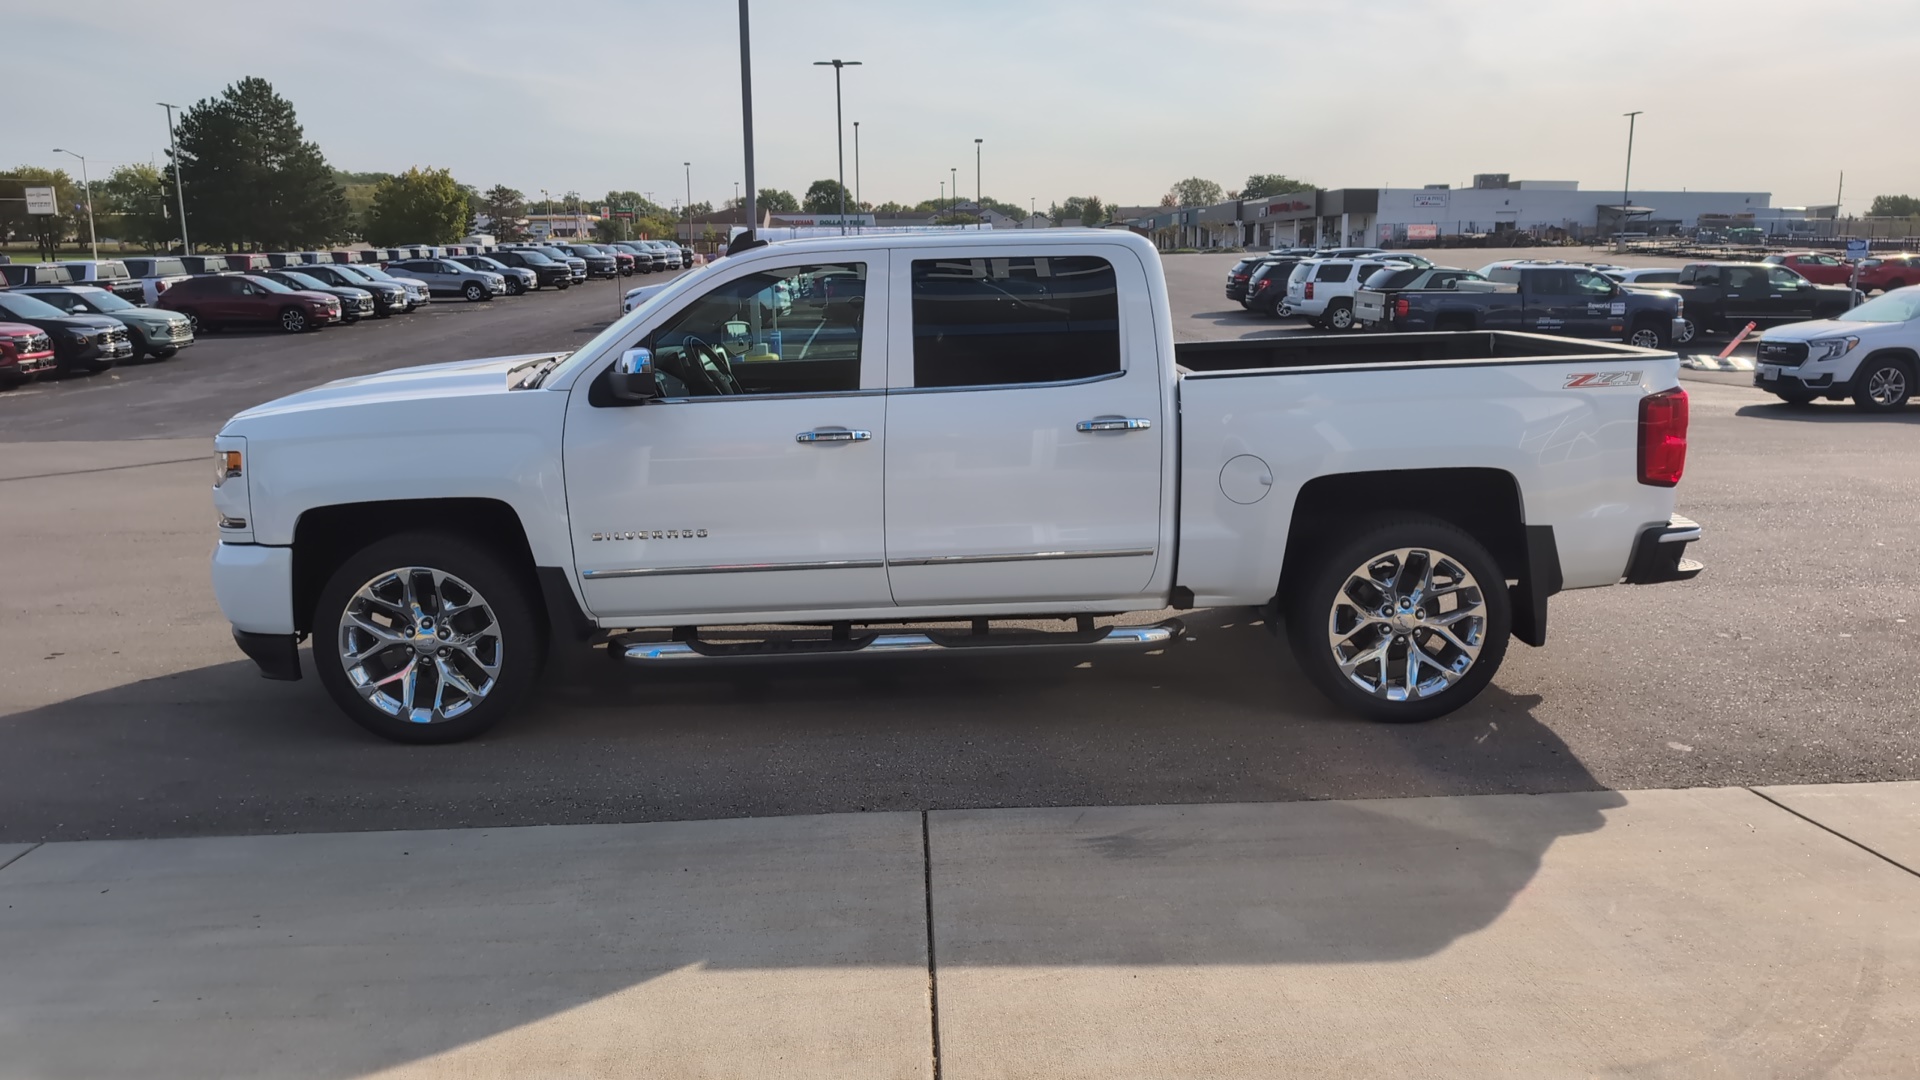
1309	599
1867	368
523	644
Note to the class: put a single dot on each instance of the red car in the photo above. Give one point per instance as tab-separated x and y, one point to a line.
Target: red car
1889	272
1817	267
213	301
25	351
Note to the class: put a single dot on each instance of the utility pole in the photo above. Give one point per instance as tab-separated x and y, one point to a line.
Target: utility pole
954	172
746	114
858	206
976	175
1626	184
689	168
92	240
839	132
1842	190
178	190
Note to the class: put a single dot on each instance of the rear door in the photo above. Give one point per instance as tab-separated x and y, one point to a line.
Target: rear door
1025	429
1790	296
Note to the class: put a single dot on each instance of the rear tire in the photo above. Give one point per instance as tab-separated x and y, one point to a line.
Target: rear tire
1373	595
1339	316
1649	335
1883	384
438	571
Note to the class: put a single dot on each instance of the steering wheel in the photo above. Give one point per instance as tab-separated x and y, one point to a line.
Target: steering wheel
713	366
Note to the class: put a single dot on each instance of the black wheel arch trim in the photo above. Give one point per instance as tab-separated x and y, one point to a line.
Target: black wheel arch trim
278	655
564	613
1542	578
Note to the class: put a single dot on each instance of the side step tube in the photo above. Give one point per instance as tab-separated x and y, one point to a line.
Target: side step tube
898	644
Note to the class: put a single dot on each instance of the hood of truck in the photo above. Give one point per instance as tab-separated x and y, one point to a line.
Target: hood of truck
430	382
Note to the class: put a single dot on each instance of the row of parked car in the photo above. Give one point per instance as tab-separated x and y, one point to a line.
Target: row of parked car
84	316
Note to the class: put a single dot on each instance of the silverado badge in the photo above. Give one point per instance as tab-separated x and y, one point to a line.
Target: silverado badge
653	534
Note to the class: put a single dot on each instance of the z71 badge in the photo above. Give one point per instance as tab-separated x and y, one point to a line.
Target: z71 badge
1602	378
654	534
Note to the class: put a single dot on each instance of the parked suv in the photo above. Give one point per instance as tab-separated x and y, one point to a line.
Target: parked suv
546	271
1889	272
388	296
518	280
81	343
444	277
417	291
1867	354
355	303
153	333
213	301
600	264
25	351
576	265
1267	284
1321	290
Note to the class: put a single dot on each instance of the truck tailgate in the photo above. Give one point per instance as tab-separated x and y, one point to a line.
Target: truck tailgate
1370	306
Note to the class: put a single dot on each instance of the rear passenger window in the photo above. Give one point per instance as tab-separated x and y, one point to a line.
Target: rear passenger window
1333	272
998	322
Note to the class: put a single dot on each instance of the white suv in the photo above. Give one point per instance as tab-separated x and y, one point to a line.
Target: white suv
1866	354
1321	290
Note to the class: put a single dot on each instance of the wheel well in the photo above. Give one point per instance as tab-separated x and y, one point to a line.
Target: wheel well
1912	359
327	536
1484	503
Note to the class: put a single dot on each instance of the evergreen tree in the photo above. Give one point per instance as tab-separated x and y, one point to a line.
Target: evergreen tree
252	178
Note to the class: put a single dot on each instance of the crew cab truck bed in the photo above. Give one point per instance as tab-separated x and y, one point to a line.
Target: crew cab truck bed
852	434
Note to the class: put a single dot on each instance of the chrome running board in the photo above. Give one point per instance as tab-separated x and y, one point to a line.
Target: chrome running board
906	644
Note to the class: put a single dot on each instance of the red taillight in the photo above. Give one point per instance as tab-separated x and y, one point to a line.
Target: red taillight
1663	437
1400	308
1307	294
161	286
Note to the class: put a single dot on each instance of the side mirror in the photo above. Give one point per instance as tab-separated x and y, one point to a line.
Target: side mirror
631	377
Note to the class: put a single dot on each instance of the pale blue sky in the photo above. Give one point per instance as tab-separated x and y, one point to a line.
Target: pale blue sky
1116	98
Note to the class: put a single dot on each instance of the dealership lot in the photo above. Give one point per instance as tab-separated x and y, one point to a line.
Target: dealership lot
126	712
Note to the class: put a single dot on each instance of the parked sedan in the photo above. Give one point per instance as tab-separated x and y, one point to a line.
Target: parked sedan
355	303
81	343
25	351
155	334
444	277
214	301
1817	267
518	280
388	296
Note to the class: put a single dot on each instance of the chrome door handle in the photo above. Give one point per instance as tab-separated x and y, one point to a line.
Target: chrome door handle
821	435
1113	423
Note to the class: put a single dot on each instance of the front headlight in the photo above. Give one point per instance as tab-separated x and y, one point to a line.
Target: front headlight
226	465
80	338
1830	348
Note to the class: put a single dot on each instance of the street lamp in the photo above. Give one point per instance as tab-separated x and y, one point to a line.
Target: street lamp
179	190
1626	184
92	241
976	173
858	206
954	172
839	133
689	167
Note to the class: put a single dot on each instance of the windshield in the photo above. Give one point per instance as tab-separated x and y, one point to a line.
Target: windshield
302	281
374	273
536	258
1900	306
490	264
26	307
105	301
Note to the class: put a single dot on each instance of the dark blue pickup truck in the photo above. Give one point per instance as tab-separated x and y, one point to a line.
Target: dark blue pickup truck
1571	301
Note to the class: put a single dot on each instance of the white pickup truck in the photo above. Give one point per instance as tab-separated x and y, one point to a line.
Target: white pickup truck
964	430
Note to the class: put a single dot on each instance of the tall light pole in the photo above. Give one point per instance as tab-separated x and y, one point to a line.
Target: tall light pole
857	205
1626	183
839	132
1033	211
92	240
976	174
746	114
953	171
689	167
178	189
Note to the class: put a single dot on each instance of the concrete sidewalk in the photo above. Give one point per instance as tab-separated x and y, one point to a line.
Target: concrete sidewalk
1709	932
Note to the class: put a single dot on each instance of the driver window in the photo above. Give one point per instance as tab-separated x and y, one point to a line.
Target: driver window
1592	284
791	330
1785	279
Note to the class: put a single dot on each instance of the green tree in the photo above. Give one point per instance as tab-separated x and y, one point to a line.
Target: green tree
773	200
504	208
1088	209
1894	206
1194	191
252	177
45	230
891	207
1261	185
1017	213
825	196
425	206
134	203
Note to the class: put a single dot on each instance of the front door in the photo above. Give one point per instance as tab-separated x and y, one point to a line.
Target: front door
1555	305
1748	296
1025	429
754	486
1790	296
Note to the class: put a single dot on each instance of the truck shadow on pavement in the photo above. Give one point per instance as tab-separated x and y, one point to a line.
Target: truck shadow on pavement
1827	413
442	942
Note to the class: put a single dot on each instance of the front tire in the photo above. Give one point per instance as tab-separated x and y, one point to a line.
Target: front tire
426	638
474	292
294	321
515	287
1405	621
1883	384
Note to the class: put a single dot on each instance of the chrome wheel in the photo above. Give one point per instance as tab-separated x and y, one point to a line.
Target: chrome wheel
1408	624
293	320
1887	386
420	645
1686	333
1340	318
1646	338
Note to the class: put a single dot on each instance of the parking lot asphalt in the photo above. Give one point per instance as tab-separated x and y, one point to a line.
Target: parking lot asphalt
125	710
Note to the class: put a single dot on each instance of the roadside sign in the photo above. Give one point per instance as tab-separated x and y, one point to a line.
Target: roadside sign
1857	249
40	201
